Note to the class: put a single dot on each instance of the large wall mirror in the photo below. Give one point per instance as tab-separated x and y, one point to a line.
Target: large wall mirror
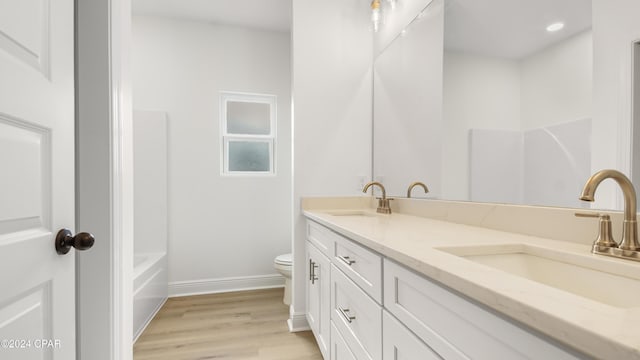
490	101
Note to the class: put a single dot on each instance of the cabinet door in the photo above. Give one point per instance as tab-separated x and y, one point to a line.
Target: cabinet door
312	292
318	298
398	343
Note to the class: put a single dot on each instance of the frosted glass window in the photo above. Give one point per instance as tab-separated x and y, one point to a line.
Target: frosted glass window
248	118
248	133
249	156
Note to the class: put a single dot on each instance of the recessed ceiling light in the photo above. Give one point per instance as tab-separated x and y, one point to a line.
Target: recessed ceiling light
555	27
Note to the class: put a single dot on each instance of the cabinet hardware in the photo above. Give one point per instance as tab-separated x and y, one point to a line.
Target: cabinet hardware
346	316
347	260
312	271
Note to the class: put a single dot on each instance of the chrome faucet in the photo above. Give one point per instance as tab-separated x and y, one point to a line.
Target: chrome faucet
414	184
629	246
383	202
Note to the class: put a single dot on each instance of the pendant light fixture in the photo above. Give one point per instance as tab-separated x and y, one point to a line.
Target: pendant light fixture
375	14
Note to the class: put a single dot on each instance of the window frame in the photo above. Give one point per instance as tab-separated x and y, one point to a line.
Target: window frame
226	138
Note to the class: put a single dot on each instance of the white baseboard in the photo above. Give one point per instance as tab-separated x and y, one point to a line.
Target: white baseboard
298	322
213	286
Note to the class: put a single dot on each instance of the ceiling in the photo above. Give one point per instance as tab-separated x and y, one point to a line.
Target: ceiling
511	28
501	28
274	15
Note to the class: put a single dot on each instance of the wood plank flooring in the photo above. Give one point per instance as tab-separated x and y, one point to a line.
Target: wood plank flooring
238	325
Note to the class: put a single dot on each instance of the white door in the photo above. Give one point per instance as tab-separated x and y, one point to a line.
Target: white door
37	286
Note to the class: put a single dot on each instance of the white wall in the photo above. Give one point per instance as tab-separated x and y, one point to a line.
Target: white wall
219	227
332	84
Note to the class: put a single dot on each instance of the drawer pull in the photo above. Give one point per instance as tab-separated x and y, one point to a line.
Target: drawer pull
312	271
346	316
347	260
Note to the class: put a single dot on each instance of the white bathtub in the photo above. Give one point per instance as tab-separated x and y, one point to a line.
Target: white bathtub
150	288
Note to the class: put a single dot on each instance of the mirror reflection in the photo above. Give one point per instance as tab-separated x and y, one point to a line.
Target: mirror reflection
488	101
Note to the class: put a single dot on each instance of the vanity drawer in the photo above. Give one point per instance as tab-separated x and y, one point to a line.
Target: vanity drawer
457	328
339	348
356	316
321	237
400	343
361	265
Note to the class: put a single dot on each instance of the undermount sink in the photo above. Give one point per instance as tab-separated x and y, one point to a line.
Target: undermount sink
587	276
351	213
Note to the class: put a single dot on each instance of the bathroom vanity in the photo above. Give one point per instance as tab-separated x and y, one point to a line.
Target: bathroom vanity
392	286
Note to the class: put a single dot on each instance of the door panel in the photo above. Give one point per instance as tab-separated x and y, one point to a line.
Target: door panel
25	323
37	286
25	189
25	32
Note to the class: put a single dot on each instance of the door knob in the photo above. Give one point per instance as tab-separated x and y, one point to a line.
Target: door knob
65	240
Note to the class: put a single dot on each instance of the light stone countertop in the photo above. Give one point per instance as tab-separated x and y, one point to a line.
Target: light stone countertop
592	327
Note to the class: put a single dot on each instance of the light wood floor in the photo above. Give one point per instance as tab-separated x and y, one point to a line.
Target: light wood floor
239	325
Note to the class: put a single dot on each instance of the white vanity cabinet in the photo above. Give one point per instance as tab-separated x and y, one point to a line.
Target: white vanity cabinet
356	316
344	295
322	238
339	348
457	328
360	265
364	306
318	297
399	343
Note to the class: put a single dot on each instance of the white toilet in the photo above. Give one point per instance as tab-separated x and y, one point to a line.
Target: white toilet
283	264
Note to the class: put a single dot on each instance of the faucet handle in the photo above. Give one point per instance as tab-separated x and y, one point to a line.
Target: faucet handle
591	215
605	238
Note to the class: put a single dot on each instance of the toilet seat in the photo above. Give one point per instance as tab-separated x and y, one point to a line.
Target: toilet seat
284	260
